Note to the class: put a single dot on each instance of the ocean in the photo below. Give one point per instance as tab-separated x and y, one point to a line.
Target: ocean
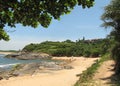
9	62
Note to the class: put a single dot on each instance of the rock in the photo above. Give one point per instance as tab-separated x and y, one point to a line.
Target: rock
30	68
1	78
7	74
28	55
26	69
33	68
68	67
7	77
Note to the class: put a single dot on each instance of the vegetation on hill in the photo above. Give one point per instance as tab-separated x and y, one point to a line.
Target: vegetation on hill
8	51
87	48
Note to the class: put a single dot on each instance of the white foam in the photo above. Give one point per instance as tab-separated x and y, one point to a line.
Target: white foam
7	65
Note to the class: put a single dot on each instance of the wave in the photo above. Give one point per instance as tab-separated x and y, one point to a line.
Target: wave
8	65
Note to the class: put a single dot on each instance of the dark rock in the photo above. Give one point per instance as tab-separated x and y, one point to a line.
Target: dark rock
68	67
13	74
12	55
26	56
1	78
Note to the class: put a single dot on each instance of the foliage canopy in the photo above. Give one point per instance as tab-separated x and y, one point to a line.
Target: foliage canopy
35	12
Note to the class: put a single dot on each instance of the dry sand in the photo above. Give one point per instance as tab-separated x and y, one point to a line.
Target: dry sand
53	78
104	78
6	53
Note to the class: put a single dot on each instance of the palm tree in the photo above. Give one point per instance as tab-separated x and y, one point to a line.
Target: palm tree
111	18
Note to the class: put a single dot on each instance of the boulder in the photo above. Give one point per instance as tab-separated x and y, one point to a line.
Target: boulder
26	69
68	67
1	78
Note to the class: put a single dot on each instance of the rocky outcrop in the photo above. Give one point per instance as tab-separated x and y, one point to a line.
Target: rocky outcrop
33	68
28	55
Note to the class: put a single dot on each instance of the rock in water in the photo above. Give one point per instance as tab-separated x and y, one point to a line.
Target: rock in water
29	55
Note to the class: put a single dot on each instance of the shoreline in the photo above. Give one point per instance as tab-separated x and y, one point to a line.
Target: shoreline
53	78
6	53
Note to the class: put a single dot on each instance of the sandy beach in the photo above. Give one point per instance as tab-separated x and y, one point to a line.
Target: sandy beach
6	53
53	78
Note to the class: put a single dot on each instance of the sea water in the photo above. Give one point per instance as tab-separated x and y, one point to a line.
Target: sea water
9	62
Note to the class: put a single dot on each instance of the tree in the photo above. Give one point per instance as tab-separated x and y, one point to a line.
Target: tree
35	12
111	18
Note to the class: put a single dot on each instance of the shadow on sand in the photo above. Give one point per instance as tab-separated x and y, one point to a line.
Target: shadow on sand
113	80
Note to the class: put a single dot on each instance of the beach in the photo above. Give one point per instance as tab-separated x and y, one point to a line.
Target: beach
63	77
6	53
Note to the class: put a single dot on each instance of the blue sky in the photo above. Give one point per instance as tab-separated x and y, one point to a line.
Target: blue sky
76	25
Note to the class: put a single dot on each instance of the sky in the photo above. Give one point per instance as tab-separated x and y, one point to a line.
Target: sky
76	25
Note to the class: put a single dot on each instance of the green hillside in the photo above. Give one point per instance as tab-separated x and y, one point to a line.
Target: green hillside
94	48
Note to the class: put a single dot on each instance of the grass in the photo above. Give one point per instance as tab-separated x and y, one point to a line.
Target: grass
87	75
